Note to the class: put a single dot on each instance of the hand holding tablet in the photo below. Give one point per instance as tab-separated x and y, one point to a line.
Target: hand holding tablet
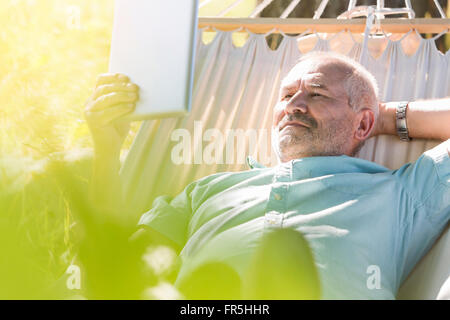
113	98
151	69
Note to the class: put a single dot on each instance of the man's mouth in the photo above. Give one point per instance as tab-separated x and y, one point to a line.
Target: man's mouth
292	123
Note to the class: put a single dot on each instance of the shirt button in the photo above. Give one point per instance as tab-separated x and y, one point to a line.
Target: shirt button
277	196
273	219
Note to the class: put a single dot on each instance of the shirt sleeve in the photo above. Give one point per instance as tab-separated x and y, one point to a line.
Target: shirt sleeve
427	204
170	215
428	180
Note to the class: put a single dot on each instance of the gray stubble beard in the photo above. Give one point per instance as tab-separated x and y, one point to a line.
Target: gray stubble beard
312	142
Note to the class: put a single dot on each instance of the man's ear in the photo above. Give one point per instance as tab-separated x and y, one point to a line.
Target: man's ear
365	122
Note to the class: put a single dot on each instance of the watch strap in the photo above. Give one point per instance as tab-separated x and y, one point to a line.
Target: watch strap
400	116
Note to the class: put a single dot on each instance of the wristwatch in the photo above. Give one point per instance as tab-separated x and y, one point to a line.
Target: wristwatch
400	116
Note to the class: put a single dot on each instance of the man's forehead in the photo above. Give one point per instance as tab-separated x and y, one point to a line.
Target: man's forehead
316	79
316	72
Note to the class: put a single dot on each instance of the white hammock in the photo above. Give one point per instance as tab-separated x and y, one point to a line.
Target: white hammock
238	87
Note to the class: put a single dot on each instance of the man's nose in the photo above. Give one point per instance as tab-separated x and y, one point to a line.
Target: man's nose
296	104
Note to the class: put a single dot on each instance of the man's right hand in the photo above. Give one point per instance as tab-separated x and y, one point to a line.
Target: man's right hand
114	97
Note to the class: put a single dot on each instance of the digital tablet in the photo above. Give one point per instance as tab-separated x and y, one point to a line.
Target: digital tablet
153	43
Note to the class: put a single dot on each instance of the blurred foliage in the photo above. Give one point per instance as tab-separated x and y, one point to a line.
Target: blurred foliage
37	224
47	223
51	53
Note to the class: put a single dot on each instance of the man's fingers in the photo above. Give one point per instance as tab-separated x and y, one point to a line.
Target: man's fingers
103	118
112	99
109	78
115	87
114	114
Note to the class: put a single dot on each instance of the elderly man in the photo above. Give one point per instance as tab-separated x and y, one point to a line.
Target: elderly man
367	226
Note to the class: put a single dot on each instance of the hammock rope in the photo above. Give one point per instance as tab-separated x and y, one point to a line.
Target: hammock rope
229	8
441	12
320	9
289	9
260	8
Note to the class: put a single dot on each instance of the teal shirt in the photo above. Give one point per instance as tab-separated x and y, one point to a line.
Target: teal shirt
356	215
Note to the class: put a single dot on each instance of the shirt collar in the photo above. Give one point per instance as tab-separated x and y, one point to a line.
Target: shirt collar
321	166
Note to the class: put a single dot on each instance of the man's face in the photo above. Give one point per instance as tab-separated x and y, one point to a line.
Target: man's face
312	116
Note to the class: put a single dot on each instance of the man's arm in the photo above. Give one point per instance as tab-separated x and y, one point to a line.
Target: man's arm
426	119
113	97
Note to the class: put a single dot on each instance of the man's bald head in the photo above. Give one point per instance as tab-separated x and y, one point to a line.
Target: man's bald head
359	83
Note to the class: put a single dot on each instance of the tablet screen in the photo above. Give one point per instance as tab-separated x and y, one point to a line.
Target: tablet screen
153	43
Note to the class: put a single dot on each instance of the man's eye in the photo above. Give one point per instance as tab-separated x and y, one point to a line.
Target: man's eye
315	94
287	96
